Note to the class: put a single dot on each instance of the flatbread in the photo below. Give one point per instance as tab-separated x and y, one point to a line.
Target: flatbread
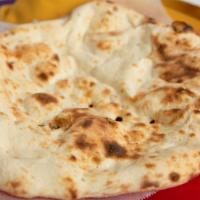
101	103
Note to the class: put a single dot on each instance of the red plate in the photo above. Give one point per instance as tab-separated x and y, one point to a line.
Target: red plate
189	191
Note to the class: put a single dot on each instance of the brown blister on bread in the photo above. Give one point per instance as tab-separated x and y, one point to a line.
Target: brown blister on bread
45	99
29	52
150	165
45	71
71	191
176	57
73	158
82	143
63	84
171	117
181	27
87	123
67	118
10	65
150	20
174	176
167	95
56	57
17	188
176	95
104	45
146	183
60	142
157	137
135	136
152	104
84	83
177	72
96	159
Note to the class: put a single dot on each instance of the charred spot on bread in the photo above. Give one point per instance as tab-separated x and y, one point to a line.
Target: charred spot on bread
119	119
91	105
113	149
174	176
152	121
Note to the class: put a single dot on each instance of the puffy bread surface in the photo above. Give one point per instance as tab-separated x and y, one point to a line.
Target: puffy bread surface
102	103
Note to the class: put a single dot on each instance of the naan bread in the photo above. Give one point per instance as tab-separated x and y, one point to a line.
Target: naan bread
102	103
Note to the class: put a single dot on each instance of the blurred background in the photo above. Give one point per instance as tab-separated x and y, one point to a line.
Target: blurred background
23	11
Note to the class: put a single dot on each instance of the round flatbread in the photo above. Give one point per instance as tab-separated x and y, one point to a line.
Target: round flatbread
101	103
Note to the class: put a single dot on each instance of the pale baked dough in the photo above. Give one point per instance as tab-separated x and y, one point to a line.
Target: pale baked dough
104	102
